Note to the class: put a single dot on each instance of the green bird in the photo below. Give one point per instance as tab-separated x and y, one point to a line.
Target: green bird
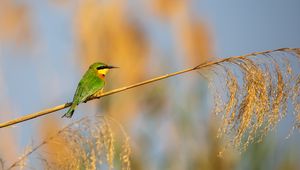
90	84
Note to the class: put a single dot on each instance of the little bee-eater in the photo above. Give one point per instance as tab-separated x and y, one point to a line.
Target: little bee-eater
91	83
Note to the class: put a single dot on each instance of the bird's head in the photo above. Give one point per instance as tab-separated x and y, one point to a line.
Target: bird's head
101	69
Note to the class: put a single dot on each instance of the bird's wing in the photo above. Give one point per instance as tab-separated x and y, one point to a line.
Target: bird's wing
88	85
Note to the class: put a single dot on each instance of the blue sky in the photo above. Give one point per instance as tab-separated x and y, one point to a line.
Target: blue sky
241	27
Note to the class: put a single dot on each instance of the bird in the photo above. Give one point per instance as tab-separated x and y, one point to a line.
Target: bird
91	83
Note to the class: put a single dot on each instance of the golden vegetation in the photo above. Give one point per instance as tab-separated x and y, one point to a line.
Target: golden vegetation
85	144
255	105
14	22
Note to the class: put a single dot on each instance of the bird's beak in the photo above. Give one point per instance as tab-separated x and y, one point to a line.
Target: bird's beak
111	67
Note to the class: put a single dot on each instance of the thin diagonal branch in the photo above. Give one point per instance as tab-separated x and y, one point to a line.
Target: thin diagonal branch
207	64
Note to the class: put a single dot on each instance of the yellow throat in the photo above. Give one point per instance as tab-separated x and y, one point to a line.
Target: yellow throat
102	73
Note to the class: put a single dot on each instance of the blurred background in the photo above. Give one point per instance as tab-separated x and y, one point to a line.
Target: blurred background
45	47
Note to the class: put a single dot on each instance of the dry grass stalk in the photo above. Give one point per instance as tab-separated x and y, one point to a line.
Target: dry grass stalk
125	155
108	140
27	154
85	144
23	163
125	147
265	95
296	102
231	104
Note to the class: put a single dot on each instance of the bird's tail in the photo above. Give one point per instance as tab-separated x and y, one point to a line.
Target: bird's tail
70	112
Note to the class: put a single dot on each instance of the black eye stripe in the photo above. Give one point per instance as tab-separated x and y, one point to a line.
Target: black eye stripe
101	67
